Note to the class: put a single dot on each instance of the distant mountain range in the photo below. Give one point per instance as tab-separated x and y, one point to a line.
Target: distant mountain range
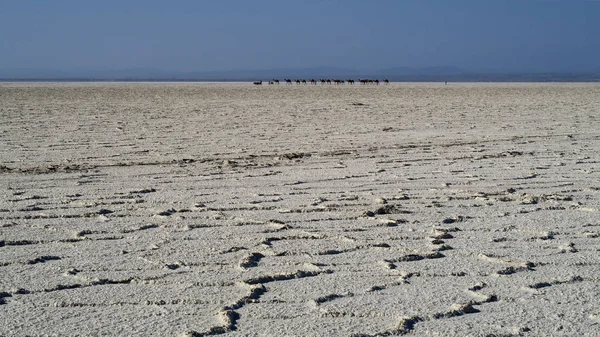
408	74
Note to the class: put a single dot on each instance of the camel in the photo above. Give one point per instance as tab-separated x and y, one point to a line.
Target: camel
288	81
350	81
257	82
297	81
312	81
275	81
386	81
303	81
328	81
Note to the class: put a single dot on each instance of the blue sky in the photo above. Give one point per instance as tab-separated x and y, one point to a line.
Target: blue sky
212	35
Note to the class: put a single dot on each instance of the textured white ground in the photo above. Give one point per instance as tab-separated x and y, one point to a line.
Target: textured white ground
206	209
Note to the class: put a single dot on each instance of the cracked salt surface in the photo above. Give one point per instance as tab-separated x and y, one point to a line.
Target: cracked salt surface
196	210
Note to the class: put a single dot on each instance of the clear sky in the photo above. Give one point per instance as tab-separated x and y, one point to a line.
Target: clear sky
206	35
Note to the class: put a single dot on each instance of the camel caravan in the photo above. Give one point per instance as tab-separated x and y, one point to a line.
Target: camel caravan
324	81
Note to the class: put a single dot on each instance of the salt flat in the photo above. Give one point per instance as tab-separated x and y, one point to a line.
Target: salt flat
178	209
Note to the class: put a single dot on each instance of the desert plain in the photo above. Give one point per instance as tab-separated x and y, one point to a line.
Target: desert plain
199	209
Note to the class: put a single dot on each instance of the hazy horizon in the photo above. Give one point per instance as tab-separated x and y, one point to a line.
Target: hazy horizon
402	74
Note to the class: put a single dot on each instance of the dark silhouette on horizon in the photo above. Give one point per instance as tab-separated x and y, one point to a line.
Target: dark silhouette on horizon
312	81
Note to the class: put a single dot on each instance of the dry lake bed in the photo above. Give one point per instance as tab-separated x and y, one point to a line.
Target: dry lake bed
182	209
